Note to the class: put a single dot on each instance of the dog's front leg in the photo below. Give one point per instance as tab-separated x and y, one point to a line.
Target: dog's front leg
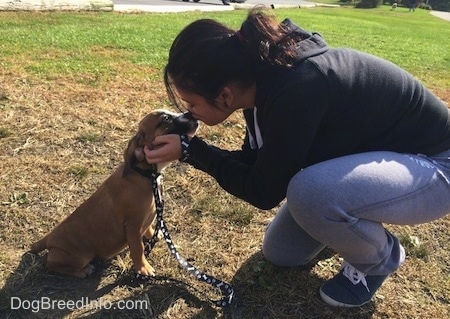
140	264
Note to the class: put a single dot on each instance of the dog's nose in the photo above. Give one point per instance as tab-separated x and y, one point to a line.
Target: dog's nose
186	119
185	123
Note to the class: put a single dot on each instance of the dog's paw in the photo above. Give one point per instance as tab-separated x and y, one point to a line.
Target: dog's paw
145	270
159	235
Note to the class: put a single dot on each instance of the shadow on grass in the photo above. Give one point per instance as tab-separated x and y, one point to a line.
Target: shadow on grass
263	290
30	292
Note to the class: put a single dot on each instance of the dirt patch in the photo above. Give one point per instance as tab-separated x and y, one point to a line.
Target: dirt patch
59	139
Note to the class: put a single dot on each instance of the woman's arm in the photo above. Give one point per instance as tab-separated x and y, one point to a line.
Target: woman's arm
289	126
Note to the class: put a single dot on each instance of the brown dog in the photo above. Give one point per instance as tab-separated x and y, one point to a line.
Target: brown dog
119	213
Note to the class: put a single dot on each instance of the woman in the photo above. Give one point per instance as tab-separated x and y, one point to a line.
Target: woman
350	140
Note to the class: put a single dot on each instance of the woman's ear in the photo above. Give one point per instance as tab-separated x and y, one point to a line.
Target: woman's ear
226	97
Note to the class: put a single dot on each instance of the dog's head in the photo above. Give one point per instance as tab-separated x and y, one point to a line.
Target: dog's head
158	122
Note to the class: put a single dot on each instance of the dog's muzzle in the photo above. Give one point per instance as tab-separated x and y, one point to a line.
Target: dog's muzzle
184	124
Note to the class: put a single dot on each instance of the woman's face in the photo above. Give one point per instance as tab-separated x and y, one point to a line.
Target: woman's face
204	111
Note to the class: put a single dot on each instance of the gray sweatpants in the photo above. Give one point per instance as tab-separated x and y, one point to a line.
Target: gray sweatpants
342	203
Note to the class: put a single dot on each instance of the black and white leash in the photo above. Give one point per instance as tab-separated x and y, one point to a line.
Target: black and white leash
225	288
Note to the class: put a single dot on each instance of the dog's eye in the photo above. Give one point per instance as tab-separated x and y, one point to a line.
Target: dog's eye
166	118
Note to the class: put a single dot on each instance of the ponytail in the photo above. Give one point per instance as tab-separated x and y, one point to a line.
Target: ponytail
267	39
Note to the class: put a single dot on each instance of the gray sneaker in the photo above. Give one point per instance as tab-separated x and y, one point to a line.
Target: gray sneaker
350	287
353	288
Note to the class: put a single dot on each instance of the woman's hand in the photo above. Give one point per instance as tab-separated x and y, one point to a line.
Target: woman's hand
166	148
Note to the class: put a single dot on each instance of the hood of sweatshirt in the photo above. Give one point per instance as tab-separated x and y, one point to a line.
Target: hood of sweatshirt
311	43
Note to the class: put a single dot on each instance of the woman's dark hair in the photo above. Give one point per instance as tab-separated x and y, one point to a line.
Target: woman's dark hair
207	55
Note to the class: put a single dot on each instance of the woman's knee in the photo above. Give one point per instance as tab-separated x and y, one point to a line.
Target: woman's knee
318	202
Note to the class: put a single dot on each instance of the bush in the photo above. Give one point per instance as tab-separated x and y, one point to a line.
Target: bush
368	4
425	6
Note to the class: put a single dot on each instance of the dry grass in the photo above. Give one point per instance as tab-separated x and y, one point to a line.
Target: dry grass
59	139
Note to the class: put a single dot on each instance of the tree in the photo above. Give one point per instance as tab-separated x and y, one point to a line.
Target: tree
369	3
440	5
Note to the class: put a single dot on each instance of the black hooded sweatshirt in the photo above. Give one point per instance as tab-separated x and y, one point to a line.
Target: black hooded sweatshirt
332	103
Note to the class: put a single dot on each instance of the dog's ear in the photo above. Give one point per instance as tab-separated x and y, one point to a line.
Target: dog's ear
129	156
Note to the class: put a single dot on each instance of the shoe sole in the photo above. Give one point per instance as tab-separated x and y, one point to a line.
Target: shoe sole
335	303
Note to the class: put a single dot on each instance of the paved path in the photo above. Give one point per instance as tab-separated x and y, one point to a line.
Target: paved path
441	14
216	5
203	5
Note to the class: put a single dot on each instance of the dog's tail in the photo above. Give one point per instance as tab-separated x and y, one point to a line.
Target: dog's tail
39	246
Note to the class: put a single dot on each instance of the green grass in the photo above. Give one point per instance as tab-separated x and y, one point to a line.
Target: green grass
417	42
76	44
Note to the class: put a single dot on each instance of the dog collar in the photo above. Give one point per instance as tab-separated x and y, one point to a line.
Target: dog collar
149	173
